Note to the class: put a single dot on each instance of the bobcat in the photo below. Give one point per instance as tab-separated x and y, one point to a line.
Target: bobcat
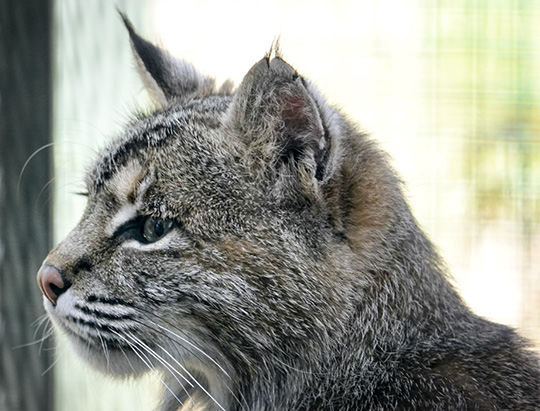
258	249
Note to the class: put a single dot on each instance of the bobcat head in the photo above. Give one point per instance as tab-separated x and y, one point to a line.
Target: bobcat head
252	245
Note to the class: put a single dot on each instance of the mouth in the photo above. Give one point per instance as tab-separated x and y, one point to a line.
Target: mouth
92	325
108	340
91	334
119	339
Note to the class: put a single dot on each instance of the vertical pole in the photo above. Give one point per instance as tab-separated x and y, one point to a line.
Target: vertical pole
25	206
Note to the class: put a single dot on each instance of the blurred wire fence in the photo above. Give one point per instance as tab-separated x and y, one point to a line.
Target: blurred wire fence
483	102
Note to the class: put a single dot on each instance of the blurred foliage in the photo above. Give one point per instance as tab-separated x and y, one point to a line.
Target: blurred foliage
487	80
505	171
490	51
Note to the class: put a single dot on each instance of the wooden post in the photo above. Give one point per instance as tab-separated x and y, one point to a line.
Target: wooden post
25	228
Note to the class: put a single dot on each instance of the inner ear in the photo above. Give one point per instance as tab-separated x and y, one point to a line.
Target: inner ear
295	112
302	131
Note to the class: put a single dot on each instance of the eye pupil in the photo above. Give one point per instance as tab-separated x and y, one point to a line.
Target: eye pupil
155	228
159	228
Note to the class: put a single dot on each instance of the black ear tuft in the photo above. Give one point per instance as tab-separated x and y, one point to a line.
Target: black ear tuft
165	77
125	19
150	56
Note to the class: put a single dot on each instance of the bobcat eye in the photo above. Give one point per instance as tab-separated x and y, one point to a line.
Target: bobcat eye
155	228
144	229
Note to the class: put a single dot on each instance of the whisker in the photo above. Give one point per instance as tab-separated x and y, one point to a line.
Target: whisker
51	193
46	333
40	320
28	161
165	335
191	345
56	359
148	364
196	348
42	191
149	350
127	359
39	341
165	364
43	319
50	367
105	349
194	379
159	358
184	340
46	146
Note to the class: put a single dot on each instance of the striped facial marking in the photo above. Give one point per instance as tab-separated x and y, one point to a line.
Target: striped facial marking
135	229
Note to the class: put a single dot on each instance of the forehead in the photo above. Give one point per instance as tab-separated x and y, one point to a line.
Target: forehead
189	131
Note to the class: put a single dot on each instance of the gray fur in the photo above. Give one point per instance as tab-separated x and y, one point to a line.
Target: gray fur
296	277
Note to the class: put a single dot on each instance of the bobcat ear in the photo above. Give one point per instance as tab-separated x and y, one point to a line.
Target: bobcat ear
285	123
165	77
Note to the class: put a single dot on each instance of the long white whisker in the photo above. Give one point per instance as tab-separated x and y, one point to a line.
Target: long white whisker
43	148
195	347
199	350
127	359
46	333
39	341
40	320
28	161
105	349
146	362
192	377
50	367
42	191
167	365
154	329
44	319
50	195
56	359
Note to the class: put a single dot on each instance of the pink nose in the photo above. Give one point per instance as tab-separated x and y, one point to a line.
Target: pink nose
51	282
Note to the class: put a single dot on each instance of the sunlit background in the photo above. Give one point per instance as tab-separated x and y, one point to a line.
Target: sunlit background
451	89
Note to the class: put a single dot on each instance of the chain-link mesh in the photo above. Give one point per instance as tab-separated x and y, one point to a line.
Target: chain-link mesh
25	127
